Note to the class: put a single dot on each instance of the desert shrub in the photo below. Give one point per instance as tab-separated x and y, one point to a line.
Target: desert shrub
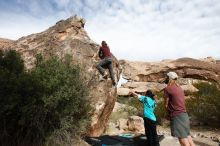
205	104
160	110
115	116
127	109
45	106
133	102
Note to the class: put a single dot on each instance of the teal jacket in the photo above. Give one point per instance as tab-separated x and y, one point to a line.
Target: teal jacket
149	106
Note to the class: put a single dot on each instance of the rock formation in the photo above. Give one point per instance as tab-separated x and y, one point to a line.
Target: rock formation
5	42
185	68
135	123
142	87
69	37
142	76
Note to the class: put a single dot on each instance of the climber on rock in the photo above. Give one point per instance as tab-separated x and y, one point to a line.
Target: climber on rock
106	62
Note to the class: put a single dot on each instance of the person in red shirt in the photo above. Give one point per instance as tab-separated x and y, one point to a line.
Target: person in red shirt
106	62
175	105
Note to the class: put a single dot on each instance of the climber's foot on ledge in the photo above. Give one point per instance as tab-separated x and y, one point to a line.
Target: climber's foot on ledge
105	76
114	85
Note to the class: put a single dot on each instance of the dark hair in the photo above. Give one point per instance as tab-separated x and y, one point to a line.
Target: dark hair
166	81
104	43
150	94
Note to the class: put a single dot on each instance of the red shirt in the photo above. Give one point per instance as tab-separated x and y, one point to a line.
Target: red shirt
176	103
104	52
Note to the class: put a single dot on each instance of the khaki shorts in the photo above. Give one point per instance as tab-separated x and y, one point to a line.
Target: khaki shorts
180	126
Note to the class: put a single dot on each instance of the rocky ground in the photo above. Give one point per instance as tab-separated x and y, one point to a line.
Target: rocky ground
201	137
142	76
120	122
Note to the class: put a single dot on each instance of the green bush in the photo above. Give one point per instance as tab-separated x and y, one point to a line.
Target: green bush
115	116
133	102
205	104
45	106
160	110
132	107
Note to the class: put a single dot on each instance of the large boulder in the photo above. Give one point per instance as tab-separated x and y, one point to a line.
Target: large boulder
185	67
123	91
69	37
189	88
120	107
136	124
123	124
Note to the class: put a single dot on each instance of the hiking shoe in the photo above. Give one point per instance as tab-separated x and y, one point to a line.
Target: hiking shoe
105	76
114	85
101	78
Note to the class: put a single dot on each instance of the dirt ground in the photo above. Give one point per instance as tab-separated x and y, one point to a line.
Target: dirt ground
201	137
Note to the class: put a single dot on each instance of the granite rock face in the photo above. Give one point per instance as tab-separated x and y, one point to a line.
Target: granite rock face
69	37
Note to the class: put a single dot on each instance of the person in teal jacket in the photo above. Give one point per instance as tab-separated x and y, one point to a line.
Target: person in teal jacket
149	117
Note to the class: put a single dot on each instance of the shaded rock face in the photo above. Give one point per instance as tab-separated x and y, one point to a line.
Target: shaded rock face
184	67
69	37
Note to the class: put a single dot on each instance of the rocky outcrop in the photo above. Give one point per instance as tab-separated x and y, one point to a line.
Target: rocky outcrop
4	43
209	60
131	124
119	107
69	37
123	91
142	87
185	68
143	76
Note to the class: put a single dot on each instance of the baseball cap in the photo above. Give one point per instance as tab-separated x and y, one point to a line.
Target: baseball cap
172	75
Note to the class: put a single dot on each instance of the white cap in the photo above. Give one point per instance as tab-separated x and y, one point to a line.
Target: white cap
172	75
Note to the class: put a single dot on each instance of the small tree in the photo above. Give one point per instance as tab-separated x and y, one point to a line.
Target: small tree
46	106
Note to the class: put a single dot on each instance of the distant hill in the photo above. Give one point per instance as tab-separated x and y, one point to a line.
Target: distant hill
5	42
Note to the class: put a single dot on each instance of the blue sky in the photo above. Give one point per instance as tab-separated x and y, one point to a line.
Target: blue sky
145	30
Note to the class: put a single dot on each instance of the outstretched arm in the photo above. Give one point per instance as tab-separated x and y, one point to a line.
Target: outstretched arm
134	94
